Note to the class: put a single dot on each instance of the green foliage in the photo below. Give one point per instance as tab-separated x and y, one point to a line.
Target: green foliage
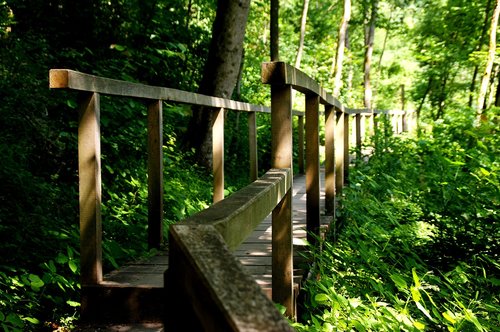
416	245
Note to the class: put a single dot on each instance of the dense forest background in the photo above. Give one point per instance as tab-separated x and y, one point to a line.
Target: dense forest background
428	56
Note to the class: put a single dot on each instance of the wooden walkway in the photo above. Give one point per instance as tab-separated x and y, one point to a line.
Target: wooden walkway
134	292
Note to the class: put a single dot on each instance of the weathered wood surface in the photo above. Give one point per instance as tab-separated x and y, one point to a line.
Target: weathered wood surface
256	251
70	79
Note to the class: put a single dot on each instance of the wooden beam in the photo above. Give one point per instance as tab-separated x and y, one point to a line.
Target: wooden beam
237	216
89	172
252	145
206	283
282	235
329	160
155	174
218	154
69	79
312	168
339	153
301	143
346	149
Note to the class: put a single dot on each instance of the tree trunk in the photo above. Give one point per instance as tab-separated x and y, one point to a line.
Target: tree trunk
489	64
369	39
220	74
275	9
303	21
339	57
478	48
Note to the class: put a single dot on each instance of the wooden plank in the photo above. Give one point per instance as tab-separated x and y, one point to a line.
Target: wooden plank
89	172
329	160
339	153
237	216
346	148
312	168
209	285
69	79
301	143
218	154
252	145
281	157
155	174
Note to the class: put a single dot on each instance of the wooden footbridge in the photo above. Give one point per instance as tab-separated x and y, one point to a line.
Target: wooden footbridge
226	265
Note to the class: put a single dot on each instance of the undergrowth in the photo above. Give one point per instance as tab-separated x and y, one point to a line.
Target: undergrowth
417	249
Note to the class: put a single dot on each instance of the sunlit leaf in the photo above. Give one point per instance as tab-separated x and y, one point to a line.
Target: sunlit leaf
449	317
415	294
73	303
419	325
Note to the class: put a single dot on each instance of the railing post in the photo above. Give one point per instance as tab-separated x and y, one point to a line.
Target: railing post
155	174
301	143
252	145
358	135
346	148
329	160
282	236
312	168
339	152
89	172
218	154
362	127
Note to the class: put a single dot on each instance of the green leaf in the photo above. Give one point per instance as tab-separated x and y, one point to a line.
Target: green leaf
416	280
2	316
32	320
415	294
61	258
35	282
449	317
399	281
321	298
73	303
419	325
72	266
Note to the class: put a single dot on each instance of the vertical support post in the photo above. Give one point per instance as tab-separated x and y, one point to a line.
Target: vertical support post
252	145
89	170
329	160
362	127
282	236
312	168
400	123
346	148
358	135
218	154
155	174
301	143
339	152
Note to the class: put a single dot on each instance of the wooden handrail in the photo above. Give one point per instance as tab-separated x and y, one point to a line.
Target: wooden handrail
204	281
69	79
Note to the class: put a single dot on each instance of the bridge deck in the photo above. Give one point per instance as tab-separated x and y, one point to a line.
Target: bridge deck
134	292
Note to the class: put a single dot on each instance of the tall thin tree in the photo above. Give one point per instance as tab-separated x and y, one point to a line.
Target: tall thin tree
489	63
369	40
303	22
341	45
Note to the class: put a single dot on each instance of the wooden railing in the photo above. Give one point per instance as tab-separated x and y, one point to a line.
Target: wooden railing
204	279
